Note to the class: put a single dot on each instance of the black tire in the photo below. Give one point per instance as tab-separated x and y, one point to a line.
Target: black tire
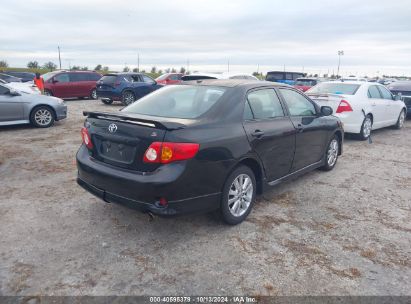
400	120
127	98
42	117
244	201
93	94
365	132
48	93
331	154
107	101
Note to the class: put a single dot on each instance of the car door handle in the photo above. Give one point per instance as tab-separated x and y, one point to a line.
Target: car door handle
258	133
300	128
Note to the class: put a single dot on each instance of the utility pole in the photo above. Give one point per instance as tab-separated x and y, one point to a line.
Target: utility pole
340	53
138	62
228	66
258	68
188	66
58	47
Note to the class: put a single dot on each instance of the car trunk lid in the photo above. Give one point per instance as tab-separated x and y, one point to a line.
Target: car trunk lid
122	139
328	99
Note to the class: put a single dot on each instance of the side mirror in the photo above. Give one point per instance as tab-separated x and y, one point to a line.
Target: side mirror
398	97
54	80
326	111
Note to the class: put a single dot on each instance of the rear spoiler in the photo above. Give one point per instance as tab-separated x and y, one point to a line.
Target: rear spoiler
316	95
166	125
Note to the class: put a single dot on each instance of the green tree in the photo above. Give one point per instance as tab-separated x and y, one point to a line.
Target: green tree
33	65
75	68
4	64
153	70
135	70
173	70
50	66
84	68
105	69
98	67
182	70
126	69
160	72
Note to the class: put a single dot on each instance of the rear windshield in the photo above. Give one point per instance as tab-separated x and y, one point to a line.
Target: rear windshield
196	77
177	101
334	88
306	82
109	79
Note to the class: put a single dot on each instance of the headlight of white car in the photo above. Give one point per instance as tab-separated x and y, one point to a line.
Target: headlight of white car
60	101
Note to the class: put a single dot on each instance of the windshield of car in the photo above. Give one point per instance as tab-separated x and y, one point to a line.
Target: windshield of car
305	82
334	88
177	101
48	76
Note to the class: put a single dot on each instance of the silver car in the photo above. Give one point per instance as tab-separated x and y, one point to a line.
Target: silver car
18	107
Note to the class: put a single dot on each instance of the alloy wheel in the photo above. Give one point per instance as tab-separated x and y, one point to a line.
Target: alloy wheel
94	94
401	119
366	132
332	153
240	195
43	117
128	98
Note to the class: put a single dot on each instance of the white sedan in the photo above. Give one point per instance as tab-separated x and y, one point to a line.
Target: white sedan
361	106
26	87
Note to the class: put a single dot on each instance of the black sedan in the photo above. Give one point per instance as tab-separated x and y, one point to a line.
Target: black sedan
206	145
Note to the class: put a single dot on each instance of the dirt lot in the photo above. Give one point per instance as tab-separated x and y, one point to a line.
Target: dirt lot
337	233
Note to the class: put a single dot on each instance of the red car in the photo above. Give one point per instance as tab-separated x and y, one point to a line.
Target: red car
303	84
169	78
67	84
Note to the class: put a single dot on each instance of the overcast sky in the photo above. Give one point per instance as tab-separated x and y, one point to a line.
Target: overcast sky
375	35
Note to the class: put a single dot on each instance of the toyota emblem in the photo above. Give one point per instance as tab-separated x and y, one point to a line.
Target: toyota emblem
112	128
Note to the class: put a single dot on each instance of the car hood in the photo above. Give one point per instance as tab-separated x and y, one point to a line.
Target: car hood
50	100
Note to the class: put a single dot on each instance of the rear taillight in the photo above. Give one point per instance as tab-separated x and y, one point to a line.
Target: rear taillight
167	152
344	106
86	138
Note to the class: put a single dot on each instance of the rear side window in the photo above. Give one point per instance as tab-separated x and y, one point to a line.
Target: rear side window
373	92
274	76
62	77
74	77
178	101
385	93
265	104
297	104
147	79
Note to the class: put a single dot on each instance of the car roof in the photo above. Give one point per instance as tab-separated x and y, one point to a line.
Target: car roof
231	83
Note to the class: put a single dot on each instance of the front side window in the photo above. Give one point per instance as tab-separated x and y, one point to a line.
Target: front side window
297	104
62	78
385	93
178	101
265	104
373	92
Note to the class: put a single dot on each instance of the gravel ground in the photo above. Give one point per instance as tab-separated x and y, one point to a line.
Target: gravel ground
344	232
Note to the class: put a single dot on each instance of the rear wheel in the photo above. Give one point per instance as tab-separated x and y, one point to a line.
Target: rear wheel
366	128
238	195
400	121
93	94
107	101
127	98
42	117
331	154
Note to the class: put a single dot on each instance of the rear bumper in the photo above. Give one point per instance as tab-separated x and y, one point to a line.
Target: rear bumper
108	95
143	191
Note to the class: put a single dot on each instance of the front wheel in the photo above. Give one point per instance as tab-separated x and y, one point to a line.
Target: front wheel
400	121
127	98
238	195
42	117
366	128
331	154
